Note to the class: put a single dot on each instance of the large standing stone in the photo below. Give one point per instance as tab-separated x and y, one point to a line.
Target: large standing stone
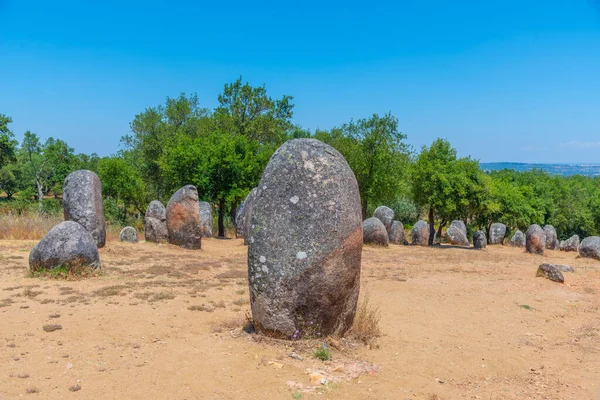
457	233
571	244
518	239
243	215
590	247
82	197
497	233
479	240
551	237
128	234
385	215
420	233
155	223
374	232
68	245
396	235
305	242
535	239
550	271
183	218
205	218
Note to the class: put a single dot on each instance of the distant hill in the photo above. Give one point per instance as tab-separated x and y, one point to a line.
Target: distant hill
556	169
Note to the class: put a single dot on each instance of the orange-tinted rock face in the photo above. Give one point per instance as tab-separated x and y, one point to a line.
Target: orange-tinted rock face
183	218
535	240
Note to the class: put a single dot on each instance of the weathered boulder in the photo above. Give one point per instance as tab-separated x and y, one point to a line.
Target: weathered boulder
82	198
183	218
385	215
374	232
396	235
551	238
68	245
571	244
550	271
497	233
243	215
155	223
518	239
128	234
305	242
479	240
205	218
563	268
420	233
535	239
590	247
457	233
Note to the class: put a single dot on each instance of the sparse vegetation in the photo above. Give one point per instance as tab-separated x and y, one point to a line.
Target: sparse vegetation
323	352
75	388
200	308
52	327
73	272
366	321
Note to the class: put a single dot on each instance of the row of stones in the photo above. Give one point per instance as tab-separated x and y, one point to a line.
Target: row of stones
382	229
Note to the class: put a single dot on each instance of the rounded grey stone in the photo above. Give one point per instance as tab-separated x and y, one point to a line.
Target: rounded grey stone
551	237
518	239
183	218
205	218
420	233
155	223
68	244
385	215
535	240
571	244
82	198
497	233
479	240
128	234
244	215
457	233
396	235
374	232
305	242
590	247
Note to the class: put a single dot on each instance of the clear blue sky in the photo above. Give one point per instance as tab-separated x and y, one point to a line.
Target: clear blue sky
502	80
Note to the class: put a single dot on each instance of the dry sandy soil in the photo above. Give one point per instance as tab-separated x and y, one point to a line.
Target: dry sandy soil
164	323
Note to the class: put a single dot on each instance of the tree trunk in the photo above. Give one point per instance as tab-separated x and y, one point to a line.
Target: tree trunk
431	227
40	191
364	209
439	232
232	212
221	218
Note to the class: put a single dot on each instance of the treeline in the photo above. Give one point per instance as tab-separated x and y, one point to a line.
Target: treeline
223	151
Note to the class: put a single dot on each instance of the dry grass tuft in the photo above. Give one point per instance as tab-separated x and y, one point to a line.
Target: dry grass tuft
115	290
200	308
72	272
366	321
75	388
162	296
52	327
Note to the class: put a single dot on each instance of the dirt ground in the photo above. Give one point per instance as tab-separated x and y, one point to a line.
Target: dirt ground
164	323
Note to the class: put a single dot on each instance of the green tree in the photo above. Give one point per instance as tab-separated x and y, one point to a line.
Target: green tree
123	183
375	151
446	186
8	144
10	177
